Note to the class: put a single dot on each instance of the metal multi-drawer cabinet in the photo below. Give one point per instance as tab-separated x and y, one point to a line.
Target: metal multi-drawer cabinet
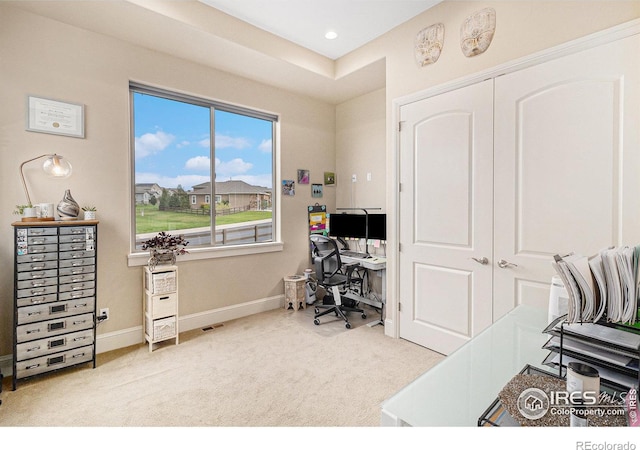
55	296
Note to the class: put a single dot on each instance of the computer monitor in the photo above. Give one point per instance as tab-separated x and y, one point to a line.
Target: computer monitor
347	226
377	226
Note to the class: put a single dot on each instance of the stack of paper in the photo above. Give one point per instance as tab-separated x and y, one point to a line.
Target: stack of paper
603	285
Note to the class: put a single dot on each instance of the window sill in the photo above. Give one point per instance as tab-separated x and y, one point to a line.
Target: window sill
142	258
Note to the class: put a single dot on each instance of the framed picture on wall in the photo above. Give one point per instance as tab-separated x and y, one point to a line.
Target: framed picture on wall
55	117
303	176
316	190
288	187
329	178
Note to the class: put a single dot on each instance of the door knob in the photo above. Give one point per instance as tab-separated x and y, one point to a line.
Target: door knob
504	264
482	260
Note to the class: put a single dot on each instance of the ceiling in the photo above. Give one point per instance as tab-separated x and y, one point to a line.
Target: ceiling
305	22
232	36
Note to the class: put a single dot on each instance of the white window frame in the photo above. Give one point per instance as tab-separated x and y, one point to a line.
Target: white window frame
140	258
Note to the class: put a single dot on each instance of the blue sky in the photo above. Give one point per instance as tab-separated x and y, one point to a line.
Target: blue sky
172	144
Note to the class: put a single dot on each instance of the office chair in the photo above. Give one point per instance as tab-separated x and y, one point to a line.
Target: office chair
328	266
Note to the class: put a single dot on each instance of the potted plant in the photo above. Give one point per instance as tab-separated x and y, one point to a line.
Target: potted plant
26	211
164	248
89	212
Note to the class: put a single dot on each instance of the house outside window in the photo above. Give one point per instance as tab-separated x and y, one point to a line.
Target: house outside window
175	160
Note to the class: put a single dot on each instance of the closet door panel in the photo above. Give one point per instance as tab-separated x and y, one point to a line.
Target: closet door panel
565	156
446	220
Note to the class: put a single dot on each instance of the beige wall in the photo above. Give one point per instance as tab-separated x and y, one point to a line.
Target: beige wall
360	148
45	58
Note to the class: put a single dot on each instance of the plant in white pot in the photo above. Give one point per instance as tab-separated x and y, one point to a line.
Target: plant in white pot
89	212
26	211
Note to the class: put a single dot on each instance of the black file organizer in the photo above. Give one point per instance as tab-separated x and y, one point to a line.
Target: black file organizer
617	349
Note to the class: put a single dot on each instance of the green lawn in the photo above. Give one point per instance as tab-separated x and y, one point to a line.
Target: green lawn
149	219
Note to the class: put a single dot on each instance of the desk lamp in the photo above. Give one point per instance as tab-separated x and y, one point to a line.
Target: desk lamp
54	165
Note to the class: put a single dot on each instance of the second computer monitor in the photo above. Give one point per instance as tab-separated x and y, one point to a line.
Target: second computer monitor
377	227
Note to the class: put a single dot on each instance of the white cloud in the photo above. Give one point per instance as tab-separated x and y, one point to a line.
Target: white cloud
206	143
183	144
266	146
225	169
223	141
152	143
200	163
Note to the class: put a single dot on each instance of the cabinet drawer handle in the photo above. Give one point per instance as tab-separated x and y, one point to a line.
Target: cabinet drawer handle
37	330
75	239
77	294
33	349
81	305
56	360
79	322
80	338
55	309
37	258
77	255
164	298
77	247
76	279
38	292
38	266
36	232
77	271
77	231
37	250
37	275
78	355
38	241
78	262
32	366
77	287
35	301
35	313
37	283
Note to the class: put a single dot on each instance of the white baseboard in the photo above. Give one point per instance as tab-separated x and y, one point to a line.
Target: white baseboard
134	336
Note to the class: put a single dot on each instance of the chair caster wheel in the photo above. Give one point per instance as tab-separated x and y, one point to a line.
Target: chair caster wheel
364	316
317	310
348	325
316	321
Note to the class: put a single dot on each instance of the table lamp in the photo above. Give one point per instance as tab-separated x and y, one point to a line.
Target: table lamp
54	165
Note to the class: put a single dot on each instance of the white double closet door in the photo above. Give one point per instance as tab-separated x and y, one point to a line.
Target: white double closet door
499	176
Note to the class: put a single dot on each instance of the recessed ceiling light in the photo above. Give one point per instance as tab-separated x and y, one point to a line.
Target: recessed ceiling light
331	35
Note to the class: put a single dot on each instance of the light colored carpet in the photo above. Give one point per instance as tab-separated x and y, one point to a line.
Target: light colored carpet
274	369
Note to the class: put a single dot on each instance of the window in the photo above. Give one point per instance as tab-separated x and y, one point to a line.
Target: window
175	161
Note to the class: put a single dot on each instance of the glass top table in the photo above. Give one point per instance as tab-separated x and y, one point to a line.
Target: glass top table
459	389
